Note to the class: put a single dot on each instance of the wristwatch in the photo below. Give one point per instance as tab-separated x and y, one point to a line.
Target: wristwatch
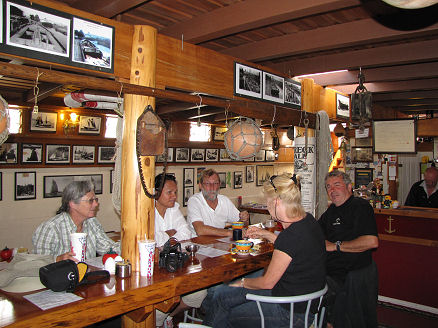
338	245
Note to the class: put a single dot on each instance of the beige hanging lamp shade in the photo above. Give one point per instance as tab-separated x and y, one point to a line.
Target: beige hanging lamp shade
243	139
4	121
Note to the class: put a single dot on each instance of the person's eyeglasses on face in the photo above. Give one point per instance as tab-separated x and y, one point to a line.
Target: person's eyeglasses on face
211	184
91	200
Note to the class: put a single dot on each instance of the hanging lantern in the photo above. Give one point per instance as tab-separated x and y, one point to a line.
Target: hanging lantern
243	139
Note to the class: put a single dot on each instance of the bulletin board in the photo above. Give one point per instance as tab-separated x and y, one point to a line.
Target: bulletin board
394	136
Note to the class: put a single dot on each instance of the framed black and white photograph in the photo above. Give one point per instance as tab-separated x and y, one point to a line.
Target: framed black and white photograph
223	179
270	155
189	177
211	155
37	30
57	154
223	155
249	176
237	179
188	192
89	125
273	88
83	154
8	153
93	44
247	81
263	173
25	185
342	106
44	122
31	153
160	158
219	133
197	155
181	154
106	154
292	93
54	185
260	156
361	154
1	187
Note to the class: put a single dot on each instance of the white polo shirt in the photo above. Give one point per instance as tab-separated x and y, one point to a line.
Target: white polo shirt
199	210
173	219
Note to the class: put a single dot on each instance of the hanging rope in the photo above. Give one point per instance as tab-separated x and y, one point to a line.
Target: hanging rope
36	91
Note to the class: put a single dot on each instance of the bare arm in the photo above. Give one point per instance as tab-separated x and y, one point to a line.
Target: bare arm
254	232
67	256
278	265
360	244
202	229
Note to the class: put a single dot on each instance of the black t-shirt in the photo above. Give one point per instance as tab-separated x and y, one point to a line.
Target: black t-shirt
418	197
304	242
349	221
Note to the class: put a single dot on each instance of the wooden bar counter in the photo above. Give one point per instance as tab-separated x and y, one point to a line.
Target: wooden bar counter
136	296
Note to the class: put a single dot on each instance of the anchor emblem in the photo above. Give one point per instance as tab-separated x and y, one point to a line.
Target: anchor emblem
390	230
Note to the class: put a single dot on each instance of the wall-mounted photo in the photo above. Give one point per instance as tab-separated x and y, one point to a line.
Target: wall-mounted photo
106	154
57	154
237	179
160	158
249	177
292	93
189	177
270	155
223	179
181	154
197	155
248	81
273	88
223	155
361	154
44	122
83	154
219	133
25	185
37	30
342	106
89	125
188	192
260	156
31	153
263	173
54	185
8	153
211	155
92	43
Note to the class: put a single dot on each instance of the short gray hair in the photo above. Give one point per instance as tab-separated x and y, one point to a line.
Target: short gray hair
337	173
74	192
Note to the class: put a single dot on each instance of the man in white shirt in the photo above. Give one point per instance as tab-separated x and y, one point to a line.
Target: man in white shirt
208	212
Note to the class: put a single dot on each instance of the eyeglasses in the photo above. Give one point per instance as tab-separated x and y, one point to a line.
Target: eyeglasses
210	184
271	180
91	200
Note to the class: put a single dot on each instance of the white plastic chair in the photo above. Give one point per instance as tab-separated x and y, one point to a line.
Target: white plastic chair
191	317
292	300
191	325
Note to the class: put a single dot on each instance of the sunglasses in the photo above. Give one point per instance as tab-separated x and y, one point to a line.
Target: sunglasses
271	180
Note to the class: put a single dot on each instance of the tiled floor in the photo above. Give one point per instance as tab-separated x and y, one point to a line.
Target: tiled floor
397	317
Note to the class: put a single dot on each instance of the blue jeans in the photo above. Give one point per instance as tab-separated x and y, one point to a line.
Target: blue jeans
232	309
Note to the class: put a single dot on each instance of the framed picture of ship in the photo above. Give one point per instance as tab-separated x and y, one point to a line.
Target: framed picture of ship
54	185
44	122
57	154
89	125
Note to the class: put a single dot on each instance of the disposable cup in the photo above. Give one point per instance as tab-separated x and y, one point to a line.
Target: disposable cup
146	249
78	245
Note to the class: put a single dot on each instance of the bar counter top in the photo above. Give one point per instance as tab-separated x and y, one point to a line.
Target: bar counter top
410	211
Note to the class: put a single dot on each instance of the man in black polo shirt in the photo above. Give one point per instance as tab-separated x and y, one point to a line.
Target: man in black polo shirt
350	230
424	193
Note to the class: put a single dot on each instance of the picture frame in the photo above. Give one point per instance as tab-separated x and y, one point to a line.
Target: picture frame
189	177
8	153
90	125
263	173
273	88
219	133
223	179
292	93
237	179
247	81
395	136
342	106
83	154
25	185
212	154
44	122
31	153
362	177
223	155
269	155
160	158
197	155
188	192
1	186
260	156
249	174
363	142
57	154
361	154
106	154
182	154
54	185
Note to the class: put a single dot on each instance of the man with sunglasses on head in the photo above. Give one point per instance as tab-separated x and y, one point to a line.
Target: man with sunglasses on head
77	213
208	212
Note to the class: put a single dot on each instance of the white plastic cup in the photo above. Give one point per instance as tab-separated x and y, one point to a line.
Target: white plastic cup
147	255
78	245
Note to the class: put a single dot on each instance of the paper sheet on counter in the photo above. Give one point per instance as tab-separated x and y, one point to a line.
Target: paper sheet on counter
48	299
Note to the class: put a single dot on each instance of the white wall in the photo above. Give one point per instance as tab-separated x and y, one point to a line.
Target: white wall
18	219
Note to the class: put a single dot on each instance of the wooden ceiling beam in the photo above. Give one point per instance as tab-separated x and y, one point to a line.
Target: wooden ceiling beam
105	8
405	95
45	90
177	107
426	84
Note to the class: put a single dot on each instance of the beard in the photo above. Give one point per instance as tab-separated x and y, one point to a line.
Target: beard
210	195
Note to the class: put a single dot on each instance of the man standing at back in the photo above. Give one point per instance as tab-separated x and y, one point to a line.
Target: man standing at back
208	212
424	193
350	230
